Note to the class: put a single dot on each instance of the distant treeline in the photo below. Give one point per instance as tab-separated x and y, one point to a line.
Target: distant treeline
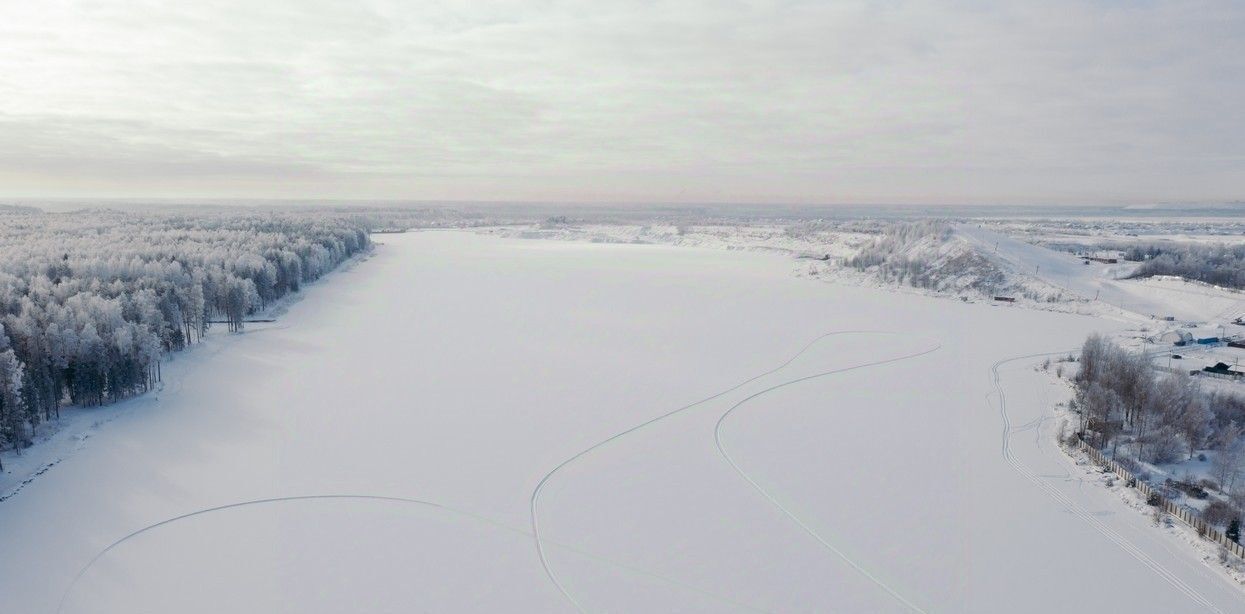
1221	265
90	300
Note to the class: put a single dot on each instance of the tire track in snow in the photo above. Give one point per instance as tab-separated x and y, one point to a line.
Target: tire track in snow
717	440
1076	509
535	498
388	499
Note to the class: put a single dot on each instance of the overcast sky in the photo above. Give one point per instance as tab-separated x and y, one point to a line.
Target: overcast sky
720	101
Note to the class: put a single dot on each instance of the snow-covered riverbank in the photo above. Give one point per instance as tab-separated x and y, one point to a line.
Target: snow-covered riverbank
58	439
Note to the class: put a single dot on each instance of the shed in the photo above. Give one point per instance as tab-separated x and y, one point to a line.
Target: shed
1222	368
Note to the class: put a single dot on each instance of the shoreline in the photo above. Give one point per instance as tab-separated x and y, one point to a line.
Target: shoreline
59	439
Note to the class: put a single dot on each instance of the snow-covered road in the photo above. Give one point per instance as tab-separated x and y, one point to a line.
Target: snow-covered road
402	441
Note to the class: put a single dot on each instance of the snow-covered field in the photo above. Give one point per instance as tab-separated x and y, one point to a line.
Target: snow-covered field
471	423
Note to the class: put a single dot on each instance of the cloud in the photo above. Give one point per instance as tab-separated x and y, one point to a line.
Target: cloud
590	100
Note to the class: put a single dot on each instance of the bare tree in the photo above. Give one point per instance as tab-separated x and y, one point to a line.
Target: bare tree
1226	465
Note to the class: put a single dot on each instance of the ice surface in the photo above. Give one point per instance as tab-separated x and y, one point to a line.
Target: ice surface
459	370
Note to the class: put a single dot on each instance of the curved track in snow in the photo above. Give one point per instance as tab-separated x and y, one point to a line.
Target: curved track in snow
85	568
717	440
386	499
1070	504
535	498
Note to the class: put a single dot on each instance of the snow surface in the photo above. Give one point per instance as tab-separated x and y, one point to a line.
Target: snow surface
393	444
1104	282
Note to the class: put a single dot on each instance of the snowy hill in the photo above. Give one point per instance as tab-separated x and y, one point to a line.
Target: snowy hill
1106	283
931	255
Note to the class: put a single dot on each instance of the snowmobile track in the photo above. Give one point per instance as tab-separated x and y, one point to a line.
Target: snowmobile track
717	440
535	498
390	499
1071	505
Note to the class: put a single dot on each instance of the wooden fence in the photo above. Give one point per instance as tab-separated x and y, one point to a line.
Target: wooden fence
1182	513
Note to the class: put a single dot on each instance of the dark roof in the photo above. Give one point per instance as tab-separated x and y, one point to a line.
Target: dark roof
1222	367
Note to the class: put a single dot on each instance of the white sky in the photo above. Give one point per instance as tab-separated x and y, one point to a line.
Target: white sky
729	101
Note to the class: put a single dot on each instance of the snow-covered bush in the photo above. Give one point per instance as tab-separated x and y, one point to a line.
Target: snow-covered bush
1219	513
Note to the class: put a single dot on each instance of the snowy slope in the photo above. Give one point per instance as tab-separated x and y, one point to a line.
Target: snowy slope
672	425
1056	268
1101	282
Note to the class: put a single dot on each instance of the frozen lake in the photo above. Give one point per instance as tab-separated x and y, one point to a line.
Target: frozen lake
382	448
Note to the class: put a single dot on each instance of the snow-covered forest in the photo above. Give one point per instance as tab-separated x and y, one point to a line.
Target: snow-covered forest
90	300
1219	264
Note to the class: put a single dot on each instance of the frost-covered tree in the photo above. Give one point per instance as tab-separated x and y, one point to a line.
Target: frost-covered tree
1218	264
91	300
1227	464
1120	393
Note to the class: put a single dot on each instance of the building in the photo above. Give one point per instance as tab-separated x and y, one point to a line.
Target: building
1176	337
1223	370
